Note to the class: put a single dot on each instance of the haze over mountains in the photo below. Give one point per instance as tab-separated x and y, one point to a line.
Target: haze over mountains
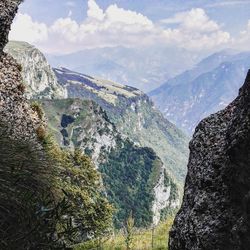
210	86
145	69
192	89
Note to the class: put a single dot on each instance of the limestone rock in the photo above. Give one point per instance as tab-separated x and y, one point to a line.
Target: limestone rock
14	109
8	9
215	213
38	76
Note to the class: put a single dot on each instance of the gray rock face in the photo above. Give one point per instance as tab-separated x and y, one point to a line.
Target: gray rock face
38	76
215	213
14	108
8	9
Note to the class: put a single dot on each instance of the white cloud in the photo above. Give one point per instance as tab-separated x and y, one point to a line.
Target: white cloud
116	26
70	13
193	20
25	29
95	11
195	30
115	14
243	40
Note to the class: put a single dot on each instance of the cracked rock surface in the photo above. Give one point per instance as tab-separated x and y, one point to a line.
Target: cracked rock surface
215	213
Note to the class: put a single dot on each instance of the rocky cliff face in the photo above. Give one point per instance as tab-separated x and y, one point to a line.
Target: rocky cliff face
39	78
126	169
14	109
134	116
8	11
215	213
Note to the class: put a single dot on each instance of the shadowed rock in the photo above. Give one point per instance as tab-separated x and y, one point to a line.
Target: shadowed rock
8	10
215	213
14	108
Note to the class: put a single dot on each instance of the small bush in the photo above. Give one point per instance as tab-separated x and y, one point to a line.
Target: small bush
36	107
41	133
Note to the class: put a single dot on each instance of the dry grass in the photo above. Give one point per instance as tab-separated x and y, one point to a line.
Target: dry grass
142	239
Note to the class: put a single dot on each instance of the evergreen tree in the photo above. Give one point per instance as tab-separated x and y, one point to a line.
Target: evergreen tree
86	212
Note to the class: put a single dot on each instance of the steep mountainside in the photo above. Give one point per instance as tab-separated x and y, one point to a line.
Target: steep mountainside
215	212
92	131
140	68
134	177
40	79
205	89
134	116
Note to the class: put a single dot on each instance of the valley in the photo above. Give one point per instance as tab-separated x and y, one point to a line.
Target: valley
124	125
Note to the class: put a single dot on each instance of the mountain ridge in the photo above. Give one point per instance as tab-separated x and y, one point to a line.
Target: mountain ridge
39	77
134	116
207	88
140	68
124	167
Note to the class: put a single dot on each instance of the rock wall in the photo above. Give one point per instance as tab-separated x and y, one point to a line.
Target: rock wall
14	109
38	76
8	9
215	213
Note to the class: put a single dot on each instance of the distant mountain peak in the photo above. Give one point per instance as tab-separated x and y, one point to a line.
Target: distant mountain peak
207	88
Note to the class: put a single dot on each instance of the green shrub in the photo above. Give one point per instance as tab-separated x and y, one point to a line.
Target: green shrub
36	107
27	205
49	198
88	213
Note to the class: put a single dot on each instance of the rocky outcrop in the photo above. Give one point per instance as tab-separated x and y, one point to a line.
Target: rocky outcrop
38	76
8	9
215	212
14	109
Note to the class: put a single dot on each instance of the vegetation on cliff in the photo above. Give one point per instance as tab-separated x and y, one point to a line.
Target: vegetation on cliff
129	172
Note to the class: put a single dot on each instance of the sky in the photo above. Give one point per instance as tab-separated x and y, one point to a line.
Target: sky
65	26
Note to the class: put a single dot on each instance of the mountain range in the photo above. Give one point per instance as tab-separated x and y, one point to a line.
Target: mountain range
144	69
40	80
141	156
134	116
207	88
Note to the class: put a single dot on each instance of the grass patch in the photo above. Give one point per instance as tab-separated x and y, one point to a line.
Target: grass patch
142	239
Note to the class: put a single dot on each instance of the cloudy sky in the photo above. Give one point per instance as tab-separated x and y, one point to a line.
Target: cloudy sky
63	26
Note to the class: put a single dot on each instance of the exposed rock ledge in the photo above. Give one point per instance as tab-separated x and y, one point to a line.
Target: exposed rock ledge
215	214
